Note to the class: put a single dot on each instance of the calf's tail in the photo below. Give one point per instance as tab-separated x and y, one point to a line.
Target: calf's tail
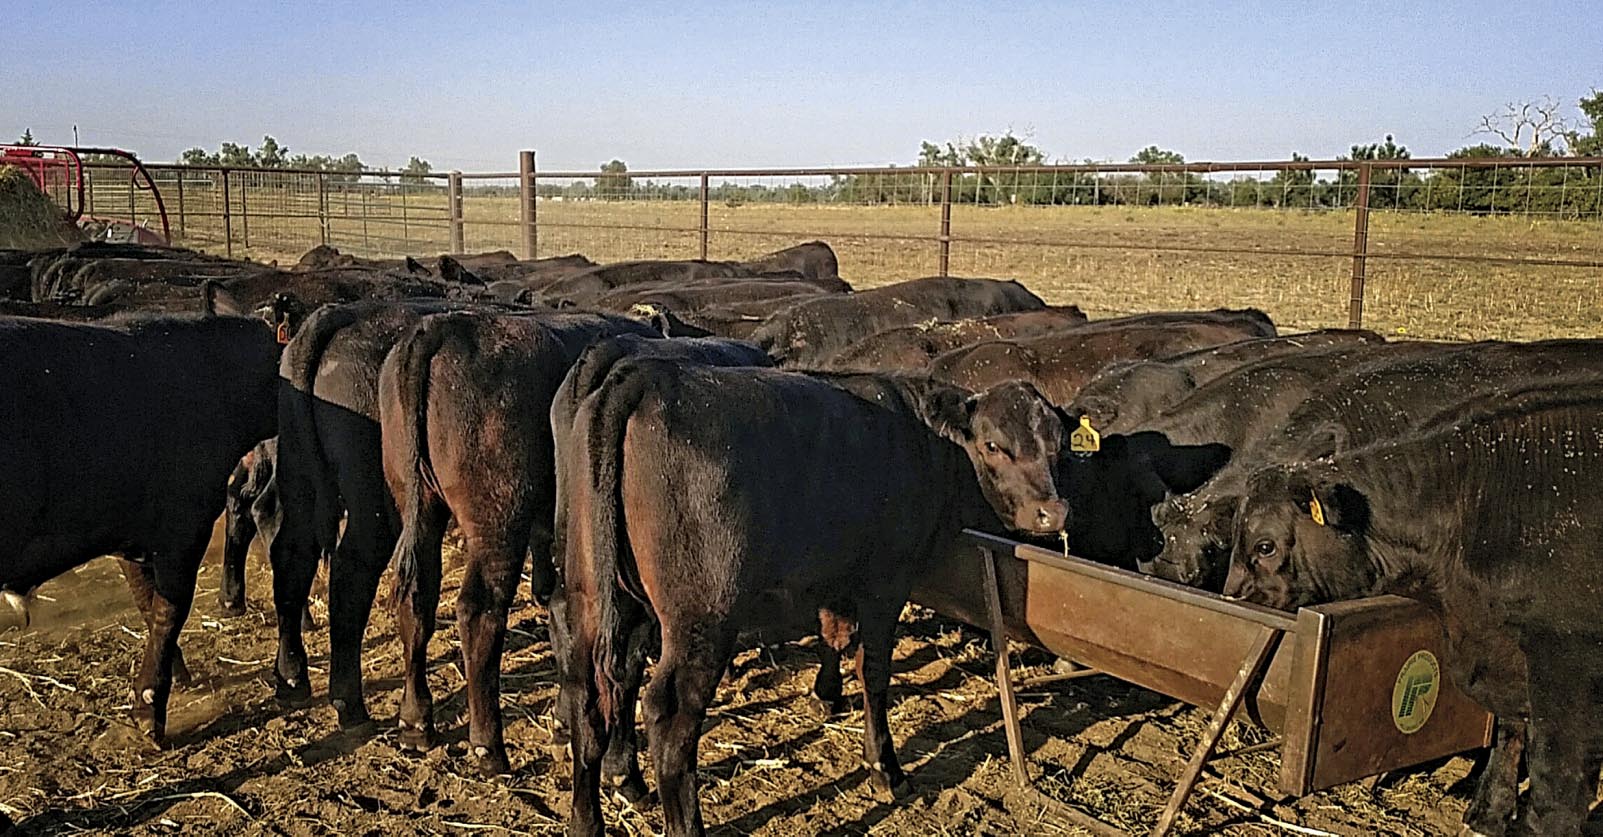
416	486
605	616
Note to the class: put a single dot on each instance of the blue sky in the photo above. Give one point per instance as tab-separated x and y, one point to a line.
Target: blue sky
751	84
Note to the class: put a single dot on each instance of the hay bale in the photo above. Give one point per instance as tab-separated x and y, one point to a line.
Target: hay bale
29	219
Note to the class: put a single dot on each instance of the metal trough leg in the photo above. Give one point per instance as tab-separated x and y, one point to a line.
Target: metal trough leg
1004	672
1251	668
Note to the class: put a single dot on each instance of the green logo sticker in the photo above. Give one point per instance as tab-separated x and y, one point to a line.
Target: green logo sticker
1414	695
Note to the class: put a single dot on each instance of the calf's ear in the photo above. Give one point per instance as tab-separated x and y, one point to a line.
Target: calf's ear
949	411
216	301
1343	507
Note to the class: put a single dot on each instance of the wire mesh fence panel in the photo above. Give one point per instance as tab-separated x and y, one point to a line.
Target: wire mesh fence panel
1457	248
619	217
882	225
490	212
119	194
1477	248
384	217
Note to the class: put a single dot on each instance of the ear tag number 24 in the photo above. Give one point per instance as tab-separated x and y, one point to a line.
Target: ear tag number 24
1085	441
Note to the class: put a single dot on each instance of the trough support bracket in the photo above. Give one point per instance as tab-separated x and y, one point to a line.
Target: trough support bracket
1004	672
1251	668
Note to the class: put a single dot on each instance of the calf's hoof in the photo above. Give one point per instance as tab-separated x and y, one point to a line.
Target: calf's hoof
559	734
887	789
353	715
491	762
144	717
181	673
417	738
631	790
294	691
832	707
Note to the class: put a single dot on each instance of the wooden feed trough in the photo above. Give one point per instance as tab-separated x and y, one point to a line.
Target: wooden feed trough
1353	689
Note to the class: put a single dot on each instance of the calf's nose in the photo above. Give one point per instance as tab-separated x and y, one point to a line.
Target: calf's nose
1050	517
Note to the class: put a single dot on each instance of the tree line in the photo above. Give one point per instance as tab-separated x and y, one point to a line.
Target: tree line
1525	130
348	168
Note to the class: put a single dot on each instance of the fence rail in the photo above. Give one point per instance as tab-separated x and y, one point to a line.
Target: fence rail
1437	244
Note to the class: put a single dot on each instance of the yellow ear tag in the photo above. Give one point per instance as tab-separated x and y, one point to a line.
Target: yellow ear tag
1316	511
1085	439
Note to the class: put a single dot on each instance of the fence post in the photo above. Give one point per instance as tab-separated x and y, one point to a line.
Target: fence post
228	217
526	184
244	208
322	205
1355	305
704	228
453	200
946	223
181	233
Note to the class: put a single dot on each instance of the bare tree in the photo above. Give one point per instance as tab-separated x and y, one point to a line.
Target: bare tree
1530	127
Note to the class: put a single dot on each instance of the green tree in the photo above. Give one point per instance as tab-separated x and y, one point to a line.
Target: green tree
1587	140
197	157
1155	156
271	155
235	156
27	138
614	181
1292	187
416	167
1388	187
1164	187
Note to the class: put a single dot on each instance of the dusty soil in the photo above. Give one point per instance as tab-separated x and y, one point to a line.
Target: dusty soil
771	763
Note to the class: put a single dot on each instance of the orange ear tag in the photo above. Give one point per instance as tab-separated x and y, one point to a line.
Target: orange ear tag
283	332
1316	511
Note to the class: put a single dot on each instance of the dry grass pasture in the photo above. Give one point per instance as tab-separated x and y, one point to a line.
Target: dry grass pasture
1430	275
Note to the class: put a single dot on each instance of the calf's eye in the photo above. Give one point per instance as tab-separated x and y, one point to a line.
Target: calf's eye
991	447
1264	549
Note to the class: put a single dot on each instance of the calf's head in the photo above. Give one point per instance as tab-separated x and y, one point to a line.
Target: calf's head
1013	436
1195	530
1300	538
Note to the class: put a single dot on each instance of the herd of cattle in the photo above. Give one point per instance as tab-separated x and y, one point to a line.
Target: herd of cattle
689	450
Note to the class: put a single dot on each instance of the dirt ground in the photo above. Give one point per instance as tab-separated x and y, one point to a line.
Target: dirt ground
771	763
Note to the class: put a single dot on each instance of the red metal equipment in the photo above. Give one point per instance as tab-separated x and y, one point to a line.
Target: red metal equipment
58	171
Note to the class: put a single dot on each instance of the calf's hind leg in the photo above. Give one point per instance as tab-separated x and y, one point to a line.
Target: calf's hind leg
415	606
173	591
877	629
682	687
142	585
489	585
1563	736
